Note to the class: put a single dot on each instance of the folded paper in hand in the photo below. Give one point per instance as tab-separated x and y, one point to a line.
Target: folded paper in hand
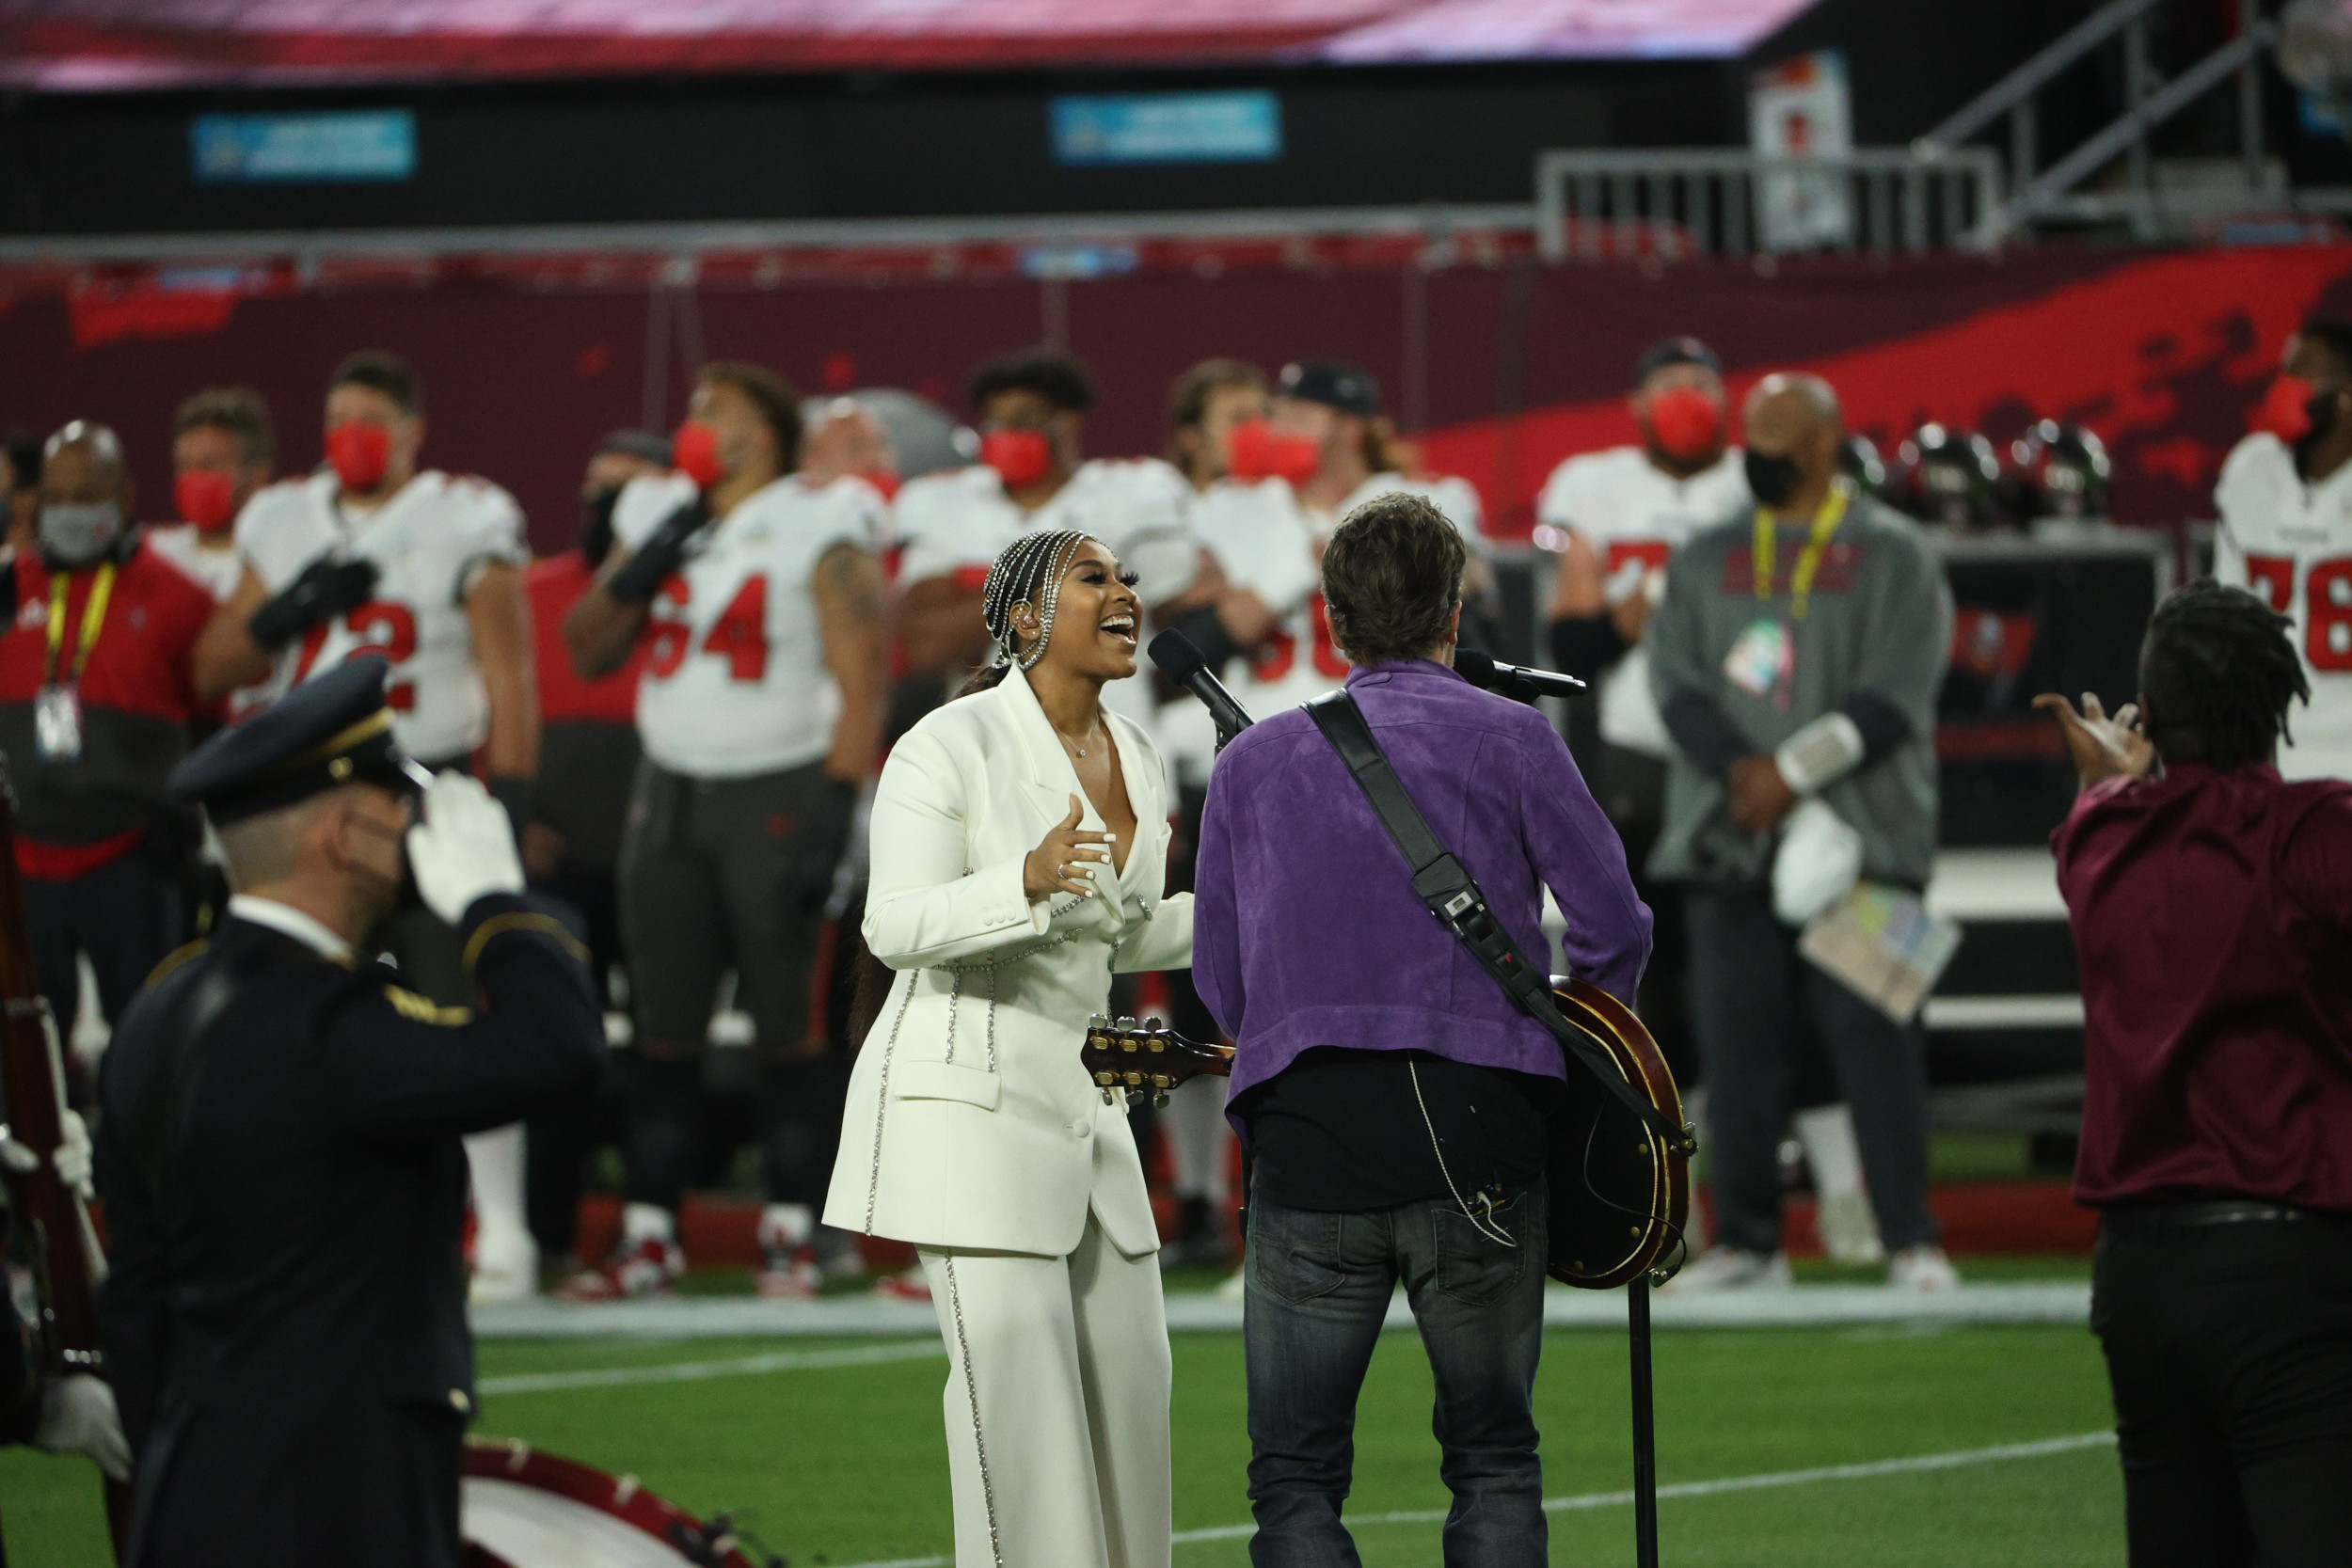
1881	943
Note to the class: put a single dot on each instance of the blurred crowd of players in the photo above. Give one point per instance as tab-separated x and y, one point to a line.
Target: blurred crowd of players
681	708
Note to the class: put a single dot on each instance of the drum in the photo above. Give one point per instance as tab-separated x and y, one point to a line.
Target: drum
523	1509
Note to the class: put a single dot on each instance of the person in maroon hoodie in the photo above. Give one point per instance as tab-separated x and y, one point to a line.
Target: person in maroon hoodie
2211	905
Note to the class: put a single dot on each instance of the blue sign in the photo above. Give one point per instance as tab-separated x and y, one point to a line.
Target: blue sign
1168	128
364	144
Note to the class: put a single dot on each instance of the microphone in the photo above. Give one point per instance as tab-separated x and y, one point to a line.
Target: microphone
1180	660
1515	681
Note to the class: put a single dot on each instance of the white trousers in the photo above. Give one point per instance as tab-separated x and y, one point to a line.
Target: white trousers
1056	1406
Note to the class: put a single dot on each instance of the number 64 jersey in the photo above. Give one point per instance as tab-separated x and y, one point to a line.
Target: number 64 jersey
430	542
2291	544
735	681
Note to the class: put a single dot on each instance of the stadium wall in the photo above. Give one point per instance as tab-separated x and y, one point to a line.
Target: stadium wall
1498	366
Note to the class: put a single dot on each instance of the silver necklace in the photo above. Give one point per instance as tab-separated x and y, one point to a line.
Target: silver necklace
1067	742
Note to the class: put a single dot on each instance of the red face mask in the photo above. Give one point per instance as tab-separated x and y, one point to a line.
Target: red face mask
359	453
694	453
1685	422
2285	410
206	497
1258	454
1019	457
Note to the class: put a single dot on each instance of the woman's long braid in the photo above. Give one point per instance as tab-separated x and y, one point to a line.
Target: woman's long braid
1032	561
2219	671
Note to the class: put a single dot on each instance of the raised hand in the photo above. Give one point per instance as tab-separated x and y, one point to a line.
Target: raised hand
1065	849
2103	748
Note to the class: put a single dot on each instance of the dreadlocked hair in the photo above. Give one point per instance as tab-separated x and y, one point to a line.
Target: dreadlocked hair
1030	566
2219	671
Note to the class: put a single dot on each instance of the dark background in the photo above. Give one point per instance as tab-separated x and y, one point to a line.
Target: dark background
947	144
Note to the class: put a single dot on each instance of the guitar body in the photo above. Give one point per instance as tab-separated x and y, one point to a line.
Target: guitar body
1620	1194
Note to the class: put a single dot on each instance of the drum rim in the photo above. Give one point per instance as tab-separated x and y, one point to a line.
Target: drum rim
623	1497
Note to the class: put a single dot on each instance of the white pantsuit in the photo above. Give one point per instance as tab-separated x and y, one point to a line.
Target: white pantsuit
973	1132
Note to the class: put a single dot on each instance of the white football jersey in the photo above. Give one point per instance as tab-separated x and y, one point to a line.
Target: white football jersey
2291	544
1265	541
1456	497
960	521
182	543
1635	515
430	542
955	524
735	681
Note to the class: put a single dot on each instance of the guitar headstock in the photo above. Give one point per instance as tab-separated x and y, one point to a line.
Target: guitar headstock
1140	1056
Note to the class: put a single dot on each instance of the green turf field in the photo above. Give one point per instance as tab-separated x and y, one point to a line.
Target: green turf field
844	1463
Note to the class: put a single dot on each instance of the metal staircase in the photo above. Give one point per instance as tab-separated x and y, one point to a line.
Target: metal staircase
1948	190
2152	206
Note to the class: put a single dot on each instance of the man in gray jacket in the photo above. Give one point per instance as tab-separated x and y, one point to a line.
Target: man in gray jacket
1797	654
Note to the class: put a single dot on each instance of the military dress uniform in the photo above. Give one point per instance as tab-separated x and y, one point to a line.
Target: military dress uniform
285	1189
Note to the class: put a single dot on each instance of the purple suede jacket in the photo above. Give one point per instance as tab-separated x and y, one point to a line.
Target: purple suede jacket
1306	928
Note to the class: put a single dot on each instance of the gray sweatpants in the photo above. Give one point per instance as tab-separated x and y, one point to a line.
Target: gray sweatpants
1752	998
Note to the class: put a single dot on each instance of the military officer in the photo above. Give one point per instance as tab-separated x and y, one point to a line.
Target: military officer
279	1150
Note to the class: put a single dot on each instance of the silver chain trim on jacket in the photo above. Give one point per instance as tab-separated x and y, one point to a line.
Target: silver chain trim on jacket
989	967
972	1393
882	1107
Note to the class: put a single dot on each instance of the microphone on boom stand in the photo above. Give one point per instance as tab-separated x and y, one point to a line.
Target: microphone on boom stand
1182	662
1515	681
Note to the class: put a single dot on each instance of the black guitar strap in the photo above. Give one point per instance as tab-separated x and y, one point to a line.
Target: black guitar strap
1454	898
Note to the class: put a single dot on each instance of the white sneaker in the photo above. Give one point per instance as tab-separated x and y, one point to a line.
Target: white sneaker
1921	1268
1850	1232
1729	1268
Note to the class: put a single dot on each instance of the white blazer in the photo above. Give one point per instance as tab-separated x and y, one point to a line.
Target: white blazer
970	1123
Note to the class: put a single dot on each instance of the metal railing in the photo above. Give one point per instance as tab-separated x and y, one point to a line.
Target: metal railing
1678	203
2037	193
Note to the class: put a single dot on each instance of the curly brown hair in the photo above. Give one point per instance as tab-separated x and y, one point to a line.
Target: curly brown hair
1392	579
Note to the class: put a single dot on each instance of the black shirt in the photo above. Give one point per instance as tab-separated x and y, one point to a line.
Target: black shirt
1344	1130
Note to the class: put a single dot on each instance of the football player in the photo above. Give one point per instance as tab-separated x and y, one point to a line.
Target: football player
1032	408
2285	500
372	555
223	448
761	711
1614	517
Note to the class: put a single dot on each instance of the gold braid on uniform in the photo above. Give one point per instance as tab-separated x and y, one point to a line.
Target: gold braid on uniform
520	920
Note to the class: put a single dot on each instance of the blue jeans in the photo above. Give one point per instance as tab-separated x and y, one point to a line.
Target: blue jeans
1319	1285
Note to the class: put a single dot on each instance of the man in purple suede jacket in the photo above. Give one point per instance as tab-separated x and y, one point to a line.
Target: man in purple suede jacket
1395	1099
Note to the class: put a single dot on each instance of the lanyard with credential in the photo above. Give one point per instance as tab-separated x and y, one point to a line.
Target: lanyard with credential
1766	552
102	589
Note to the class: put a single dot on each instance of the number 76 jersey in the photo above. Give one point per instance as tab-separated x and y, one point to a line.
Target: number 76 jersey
2291	544
735	681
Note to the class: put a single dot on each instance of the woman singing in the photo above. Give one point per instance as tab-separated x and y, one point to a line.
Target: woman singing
1018	841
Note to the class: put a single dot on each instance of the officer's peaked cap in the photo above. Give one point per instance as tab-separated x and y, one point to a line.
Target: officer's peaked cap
330	730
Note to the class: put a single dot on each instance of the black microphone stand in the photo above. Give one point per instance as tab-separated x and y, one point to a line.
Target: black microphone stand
1644	1427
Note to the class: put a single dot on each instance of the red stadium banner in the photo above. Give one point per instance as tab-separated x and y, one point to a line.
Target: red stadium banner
1498	365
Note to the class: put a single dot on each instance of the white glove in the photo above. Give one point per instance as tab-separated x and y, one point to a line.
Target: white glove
1819	862
464	848
78	1415
73	1157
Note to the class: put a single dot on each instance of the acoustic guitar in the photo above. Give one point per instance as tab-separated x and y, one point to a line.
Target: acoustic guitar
1620	1192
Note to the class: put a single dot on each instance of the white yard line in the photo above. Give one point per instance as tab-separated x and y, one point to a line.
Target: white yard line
697	1371
1866	1471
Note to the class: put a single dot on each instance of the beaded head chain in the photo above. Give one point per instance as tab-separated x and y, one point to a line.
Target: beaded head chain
1032	561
